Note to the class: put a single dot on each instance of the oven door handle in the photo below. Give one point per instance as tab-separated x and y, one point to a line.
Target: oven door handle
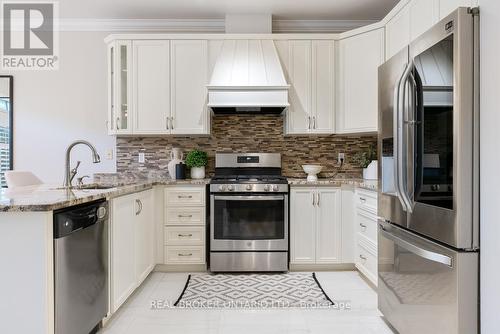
250	198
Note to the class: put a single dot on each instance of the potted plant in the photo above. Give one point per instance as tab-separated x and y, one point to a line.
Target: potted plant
368	161
197	160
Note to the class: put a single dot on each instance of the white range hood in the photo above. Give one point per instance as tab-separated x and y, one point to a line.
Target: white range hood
248	77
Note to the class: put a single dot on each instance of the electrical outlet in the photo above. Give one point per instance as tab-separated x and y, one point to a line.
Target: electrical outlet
109	154
341	157
142	158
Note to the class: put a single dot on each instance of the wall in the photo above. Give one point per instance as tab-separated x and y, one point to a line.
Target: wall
54	108
490	160
248	134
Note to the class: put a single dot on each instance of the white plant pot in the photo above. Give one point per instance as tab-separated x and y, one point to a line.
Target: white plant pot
198	172
370	172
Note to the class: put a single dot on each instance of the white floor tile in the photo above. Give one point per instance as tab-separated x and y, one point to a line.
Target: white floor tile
362	317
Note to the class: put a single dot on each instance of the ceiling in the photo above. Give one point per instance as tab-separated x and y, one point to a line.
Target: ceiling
207	9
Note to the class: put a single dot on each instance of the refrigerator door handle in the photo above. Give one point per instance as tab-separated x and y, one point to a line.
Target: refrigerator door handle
396	141
419	251
402	156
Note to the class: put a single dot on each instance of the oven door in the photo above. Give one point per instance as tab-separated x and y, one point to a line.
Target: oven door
249	222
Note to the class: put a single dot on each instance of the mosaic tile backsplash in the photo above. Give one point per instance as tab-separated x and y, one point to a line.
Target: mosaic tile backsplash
247	133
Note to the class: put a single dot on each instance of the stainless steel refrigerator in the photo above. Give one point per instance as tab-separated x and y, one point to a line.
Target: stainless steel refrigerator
428	231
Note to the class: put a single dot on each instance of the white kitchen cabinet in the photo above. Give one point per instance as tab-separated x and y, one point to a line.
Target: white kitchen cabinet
119	87
123	275
184	230
309	67
448	6
357	92
397	32
131	244
322	90
144	235
302	226
151	86
423	15
328	225
315	225
189	77
365	207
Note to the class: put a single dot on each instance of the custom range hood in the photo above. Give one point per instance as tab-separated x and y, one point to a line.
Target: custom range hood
248	79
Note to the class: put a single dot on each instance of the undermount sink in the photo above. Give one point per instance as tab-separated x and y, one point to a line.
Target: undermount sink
94	186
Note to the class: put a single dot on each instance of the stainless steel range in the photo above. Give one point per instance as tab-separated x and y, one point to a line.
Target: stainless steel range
248	213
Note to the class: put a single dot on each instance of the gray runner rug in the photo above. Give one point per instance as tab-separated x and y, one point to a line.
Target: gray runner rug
300	290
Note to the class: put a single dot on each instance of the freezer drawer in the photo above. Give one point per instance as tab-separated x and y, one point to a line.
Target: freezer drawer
424	287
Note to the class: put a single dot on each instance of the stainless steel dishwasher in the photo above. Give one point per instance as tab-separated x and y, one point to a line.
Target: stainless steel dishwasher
80	260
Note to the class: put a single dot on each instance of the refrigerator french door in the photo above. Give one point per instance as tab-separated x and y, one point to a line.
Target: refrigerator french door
428	196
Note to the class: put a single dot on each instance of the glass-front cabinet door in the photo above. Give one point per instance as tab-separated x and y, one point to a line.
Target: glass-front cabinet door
119	66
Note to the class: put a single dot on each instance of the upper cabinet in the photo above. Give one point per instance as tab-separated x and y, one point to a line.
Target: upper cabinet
151	86
357	94
447	6
189	77
397	32
423	15
119	87
158	87
309	66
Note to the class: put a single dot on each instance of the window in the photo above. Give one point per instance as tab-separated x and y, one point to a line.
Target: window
5	127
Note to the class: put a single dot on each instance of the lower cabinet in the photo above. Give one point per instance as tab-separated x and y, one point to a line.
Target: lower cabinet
184	230
366	233
315	225
131	244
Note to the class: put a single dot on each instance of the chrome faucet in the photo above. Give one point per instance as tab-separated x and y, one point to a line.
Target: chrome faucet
71	173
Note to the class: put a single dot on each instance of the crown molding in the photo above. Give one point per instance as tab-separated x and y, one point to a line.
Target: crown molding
318	26
140	25
204	25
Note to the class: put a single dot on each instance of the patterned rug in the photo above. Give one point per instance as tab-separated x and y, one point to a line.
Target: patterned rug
253	291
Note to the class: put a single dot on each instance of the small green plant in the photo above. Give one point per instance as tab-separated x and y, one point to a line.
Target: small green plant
196	158
364	158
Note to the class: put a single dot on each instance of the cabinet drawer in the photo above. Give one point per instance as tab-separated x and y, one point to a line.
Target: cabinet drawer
185	216
185	196
366	225
366	200
184	254
366	262
184	236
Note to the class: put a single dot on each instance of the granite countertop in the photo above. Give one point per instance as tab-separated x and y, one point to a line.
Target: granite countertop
51	197
336	182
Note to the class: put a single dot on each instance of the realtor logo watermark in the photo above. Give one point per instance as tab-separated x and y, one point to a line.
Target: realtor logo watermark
30	32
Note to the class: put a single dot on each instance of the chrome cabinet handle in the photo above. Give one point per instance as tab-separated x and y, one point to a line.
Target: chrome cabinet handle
181	254
184	216
168	123
118	123
139	204
313	195
171	123
308	120
314	122
362	225
185	235
318	200
184	196
362	257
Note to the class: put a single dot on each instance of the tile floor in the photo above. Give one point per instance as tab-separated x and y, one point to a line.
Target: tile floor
137	316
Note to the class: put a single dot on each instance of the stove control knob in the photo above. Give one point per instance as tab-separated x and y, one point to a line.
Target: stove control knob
230	187
267	187
222	187
248	187
276	187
